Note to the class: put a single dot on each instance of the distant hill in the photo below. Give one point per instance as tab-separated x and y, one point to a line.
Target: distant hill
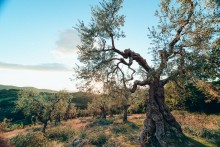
7	87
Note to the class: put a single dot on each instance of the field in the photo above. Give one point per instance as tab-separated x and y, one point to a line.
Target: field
200	130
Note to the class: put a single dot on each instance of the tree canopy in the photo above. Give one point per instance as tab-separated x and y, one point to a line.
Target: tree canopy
181	46
185	34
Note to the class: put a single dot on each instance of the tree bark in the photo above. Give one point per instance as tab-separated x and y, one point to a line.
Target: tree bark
66	115
57	120
111	112
159	122
103	112
125	113
44	127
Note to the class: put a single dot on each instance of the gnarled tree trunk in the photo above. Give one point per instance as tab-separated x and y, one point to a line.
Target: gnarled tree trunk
159	123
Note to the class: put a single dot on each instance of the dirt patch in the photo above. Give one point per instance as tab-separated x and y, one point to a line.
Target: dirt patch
11	134
77	123
136	116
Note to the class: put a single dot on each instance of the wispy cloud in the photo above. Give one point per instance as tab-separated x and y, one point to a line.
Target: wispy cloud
67	43
40	67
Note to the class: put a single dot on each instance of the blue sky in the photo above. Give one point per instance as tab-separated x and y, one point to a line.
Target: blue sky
38	42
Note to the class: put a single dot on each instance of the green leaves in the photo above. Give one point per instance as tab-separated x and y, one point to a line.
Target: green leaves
43	105
95	52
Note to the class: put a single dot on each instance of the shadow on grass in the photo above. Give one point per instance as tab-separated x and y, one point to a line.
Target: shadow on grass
183	141
174	141
212	136
192	142
124	128
101	122
132	125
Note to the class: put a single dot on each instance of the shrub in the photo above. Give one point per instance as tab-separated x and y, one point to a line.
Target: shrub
102	122
4	125
61	133
36	139
98	139
83	134
16	126
119	129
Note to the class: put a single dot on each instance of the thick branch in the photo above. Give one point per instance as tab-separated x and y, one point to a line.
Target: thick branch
164	54
134	56
124	80
140	83
178	32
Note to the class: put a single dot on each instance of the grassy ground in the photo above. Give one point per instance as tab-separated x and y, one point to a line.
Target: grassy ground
200	130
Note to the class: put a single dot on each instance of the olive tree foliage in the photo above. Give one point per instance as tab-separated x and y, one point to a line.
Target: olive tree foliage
198	96
186	31
65	108
99	105
44	107
185	37
138	104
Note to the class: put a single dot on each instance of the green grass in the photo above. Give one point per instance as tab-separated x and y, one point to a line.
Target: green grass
113	132
60	133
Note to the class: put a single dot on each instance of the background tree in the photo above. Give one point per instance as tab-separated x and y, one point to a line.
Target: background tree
138	101
42	106
65	109
98	106
69	109
184	34
198	96
118	94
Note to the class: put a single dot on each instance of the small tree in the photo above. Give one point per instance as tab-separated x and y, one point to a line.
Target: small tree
65	108
98	105
184	34
119	96
42	106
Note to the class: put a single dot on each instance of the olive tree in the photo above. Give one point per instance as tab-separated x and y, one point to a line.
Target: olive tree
44	107
119	96
184	35
98	105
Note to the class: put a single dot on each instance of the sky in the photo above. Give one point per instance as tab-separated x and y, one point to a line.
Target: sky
38	40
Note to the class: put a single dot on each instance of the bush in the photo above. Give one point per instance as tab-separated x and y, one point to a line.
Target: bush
62	134
30	140
83	134
98	139
119	129
102	122
16	126
4	126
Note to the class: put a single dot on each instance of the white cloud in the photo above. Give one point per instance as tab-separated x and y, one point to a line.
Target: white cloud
40	67
66	45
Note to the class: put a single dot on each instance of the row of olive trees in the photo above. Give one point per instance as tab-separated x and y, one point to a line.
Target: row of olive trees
115	103
45	107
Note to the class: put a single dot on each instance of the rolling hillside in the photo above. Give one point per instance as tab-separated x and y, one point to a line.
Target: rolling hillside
7	87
